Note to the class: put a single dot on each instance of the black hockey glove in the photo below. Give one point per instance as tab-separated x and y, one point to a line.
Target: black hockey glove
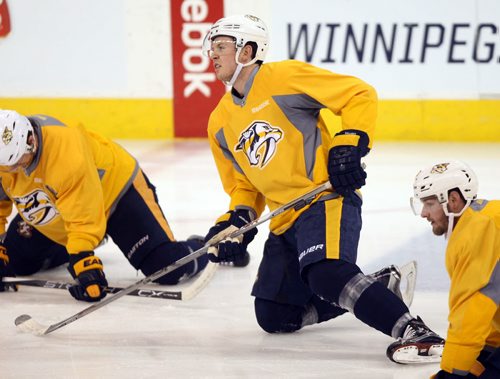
5	270
230	250
86	269
345	170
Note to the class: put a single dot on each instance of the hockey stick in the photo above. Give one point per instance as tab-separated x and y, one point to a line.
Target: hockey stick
141	292
26	323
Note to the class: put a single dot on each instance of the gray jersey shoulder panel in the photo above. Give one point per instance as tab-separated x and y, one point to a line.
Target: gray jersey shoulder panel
492	289
303	112
478	205
221	139
42	120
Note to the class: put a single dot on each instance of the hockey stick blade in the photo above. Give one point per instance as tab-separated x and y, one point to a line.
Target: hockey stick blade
409	277
27	324
201	282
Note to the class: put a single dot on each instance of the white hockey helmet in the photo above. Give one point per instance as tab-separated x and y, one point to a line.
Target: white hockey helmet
243	29
439	179
14	129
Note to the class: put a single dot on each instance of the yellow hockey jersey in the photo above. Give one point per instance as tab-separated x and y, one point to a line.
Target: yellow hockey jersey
70	187
271	146
472	259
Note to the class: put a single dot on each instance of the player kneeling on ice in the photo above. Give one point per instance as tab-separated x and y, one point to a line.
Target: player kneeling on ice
270	146
445	194
71	187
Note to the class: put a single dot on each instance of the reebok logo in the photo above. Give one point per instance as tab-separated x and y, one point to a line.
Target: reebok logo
260	107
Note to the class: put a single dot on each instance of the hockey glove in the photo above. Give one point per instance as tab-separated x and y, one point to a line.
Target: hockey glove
86	269
5	270
345	170
230	249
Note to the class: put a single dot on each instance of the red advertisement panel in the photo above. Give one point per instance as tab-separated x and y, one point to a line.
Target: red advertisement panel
196	89
4	19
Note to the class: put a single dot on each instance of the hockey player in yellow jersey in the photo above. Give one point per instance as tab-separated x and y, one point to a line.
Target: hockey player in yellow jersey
446	195
70	188
271	145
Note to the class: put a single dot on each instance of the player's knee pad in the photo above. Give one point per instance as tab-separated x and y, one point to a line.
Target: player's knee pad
168	253
278	318
328	278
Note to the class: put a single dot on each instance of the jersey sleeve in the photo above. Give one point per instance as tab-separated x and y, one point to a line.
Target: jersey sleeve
346	96
474	296
80	197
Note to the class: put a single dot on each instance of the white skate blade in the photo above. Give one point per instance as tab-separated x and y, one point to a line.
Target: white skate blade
26	324
410	355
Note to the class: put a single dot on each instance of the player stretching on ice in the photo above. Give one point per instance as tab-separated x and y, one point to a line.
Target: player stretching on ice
445	195
70	187
270	146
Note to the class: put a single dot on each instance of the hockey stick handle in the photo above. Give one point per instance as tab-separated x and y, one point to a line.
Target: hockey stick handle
50	284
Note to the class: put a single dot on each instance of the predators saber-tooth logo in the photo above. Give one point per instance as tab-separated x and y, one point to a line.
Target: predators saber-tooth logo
259	142
439	168
7	136
36	208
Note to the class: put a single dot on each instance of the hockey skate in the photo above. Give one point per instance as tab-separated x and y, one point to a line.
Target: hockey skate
392	277
418	344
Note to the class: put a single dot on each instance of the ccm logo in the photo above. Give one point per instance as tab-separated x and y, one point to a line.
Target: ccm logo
195	64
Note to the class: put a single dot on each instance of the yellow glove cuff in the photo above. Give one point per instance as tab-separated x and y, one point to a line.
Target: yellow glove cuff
223	218
345	139
87	263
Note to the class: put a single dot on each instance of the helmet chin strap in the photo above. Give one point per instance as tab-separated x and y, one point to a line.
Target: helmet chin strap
451	217
451	221
236	73
239	67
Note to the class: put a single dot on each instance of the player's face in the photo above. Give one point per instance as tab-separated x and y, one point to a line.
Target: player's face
433	211
222	53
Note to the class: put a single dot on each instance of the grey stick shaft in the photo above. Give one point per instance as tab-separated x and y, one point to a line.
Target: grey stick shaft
296	204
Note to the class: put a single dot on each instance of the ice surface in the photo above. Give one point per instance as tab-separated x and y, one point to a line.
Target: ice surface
215	335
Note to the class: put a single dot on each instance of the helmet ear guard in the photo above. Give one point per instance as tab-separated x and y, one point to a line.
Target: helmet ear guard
14	131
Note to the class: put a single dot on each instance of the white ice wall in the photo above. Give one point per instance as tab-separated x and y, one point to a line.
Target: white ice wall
122	48
87	48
